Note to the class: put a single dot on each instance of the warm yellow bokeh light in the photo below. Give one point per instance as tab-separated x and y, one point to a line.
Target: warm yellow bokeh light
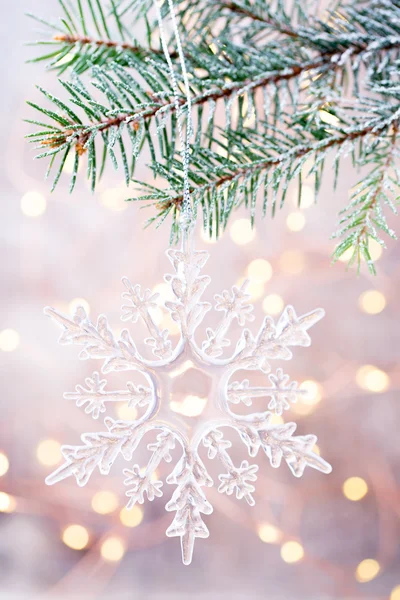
192	406
164	290
372	379
372	302
355	488
4	464
254	288
75	537
112	549
292	551
367	570
292	262
205	236
126	413
9	340
276	419
33	204
132	517
259	270
269	533
295	221
241	232
48	452
273	304
309	399
316	450
395	594
114	199
307	198
73	305
105	502
346	256
7	503
375	249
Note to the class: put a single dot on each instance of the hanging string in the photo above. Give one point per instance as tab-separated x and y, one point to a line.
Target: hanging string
184	142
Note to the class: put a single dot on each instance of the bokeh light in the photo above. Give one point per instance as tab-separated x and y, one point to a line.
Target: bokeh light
395	594
75	537
114	199
372	302
126	413
273	304
311	396
259	270
241	232
9	340
192	406
132	517
7	503
355	488
73	305
372	379
292	262
48	452
33	204
367	570
4	464
295	221
105	502
269	534
292	551
254	288
112	549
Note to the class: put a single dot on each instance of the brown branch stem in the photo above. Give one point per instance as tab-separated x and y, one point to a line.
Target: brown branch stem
86	40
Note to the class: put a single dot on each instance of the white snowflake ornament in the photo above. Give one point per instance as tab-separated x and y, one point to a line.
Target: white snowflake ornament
256	431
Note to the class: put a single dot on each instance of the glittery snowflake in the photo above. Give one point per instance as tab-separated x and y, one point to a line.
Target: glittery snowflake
153	401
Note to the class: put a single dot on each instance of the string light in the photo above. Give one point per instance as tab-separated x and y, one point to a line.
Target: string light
259	270
73	305
112	549
273	304
33	204
372	379
48	452
4	464
104	502
241	232
295	221
355	488
75	537
367	570
292	262
292	551
372	302
395	594
7	503
132	517
9	340
269	534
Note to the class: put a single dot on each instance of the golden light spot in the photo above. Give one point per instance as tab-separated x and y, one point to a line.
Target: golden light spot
48	452
157	315
308	401
75	537
316	450
346	256
273	304
132	517
241	232
126	413
114	199
112	549
205	236
367	570
372	302
355	488
276	420
4	464
269	533
104	502
326	117
259	270
70	161
372	379
164	290
7	503
254	288
33	204
292	262
73	305
292	551
170	324
307	197
192	406
375	249
395	594
295	221
9	340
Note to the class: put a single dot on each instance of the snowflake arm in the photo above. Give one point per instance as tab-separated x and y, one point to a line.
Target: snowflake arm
95	396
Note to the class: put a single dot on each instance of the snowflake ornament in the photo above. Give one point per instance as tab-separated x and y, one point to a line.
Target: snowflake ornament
255	429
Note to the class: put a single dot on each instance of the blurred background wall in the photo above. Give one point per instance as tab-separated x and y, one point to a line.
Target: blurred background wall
317	538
